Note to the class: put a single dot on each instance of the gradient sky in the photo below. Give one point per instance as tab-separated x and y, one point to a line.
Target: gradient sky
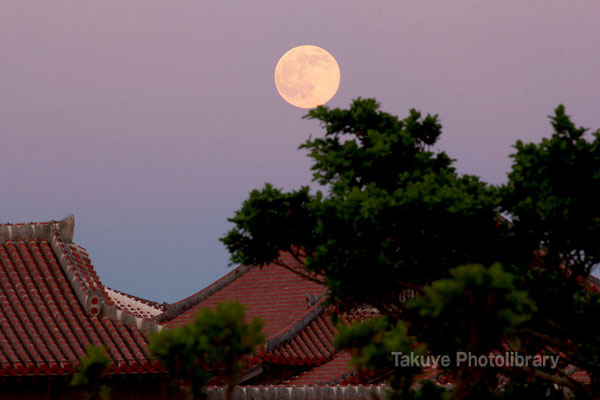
152	120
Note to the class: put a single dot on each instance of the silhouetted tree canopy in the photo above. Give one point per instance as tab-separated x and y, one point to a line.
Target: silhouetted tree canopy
494	268
214	346
91	374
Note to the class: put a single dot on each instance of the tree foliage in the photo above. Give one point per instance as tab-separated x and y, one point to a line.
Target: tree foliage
214	346
494	267
91	373
393	207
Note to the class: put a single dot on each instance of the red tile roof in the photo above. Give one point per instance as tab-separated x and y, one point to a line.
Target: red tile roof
279	297
52	306
333	371
137	306
298	329
310	345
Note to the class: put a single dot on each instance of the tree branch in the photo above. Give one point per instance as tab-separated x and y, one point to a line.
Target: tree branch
298	272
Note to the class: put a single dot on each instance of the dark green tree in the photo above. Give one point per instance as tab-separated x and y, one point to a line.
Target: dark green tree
493	267
215	345
91	374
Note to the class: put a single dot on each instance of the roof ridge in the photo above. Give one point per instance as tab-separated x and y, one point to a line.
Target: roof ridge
92	300
38	230
174	309
293	329
141	308
148	302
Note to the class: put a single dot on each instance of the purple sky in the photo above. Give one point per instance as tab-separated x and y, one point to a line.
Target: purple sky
152	120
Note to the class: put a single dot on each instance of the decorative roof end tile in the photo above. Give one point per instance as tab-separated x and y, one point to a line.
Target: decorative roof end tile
66	228
38	230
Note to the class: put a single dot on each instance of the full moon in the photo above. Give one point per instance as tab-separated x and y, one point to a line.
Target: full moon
307	76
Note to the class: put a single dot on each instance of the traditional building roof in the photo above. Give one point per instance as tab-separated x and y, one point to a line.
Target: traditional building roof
334	371
273	293
53	305
142	308
298	328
